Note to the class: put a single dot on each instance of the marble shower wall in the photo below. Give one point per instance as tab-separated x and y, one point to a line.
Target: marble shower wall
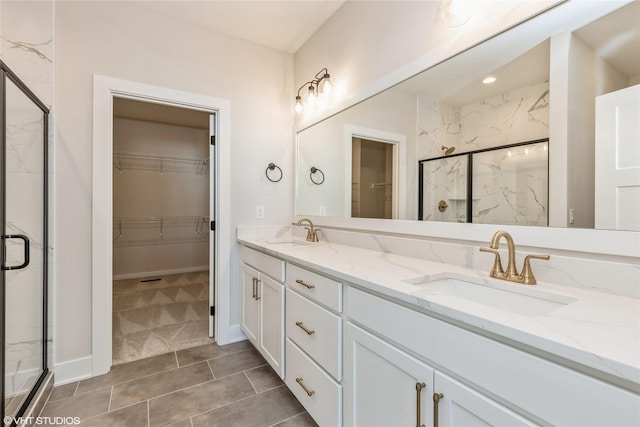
507	189
26	47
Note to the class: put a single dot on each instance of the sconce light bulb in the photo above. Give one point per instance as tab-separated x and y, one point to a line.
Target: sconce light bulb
312	91
325	85
298	107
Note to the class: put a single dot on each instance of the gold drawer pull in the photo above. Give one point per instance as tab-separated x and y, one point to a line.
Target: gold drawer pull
419	387
304	328
306	285
436	399
304	387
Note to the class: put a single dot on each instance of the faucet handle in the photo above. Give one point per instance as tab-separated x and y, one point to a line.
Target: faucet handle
527	274
309	235
497	270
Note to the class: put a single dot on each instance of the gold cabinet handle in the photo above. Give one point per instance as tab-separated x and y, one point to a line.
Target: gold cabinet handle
304	328
306	285
255	288
436	399
419	387
304	387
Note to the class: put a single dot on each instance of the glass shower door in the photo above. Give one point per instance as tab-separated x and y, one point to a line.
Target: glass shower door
24	259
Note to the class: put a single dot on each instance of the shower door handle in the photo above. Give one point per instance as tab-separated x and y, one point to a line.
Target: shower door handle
25	239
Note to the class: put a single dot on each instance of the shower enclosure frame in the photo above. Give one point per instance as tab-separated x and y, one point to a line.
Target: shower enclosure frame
6	73
469	171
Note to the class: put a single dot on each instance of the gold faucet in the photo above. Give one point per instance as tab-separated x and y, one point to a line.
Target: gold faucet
511	274
312	232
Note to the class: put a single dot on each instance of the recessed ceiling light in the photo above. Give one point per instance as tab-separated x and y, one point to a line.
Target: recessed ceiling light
489	80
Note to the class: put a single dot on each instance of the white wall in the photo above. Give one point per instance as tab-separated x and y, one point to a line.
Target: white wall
121	40
143	248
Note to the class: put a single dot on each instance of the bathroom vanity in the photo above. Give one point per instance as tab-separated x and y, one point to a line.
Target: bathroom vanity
375	338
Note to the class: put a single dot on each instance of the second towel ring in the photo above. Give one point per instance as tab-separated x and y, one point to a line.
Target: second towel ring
271	167
313	171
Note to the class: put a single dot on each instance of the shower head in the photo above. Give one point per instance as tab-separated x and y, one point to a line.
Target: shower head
447	150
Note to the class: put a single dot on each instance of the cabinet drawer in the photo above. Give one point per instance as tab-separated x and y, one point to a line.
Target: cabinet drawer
327	292
325	402
267	264
322	339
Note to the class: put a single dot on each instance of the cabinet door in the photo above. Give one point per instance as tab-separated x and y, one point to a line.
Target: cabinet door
381	383
462	406
271	297
250	321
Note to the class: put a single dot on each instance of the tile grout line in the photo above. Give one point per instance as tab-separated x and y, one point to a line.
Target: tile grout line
110	398
250	382
223	406
287	419
167	393
215	357
211	370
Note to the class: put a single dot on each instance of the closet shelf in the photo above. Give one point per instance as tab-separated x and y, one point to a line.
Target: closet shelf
127	161
139	231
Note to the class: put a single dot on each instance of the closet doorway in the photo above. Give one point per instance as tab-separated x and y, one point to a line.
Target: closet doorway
163	187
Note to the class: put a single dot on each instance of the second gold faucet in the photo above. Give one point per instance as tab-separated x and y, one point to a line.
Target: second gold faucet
526	277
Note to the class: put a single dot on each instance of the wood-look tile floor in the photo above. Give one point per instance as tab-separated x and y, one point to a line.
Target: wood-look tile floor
207	386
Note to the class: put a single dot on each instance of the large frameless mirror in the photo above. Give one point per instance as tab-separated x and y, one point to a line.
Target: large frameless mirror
544	87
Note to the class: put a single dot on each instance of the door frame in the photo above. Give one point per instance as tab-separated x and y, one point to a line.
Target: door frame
104	90
399	142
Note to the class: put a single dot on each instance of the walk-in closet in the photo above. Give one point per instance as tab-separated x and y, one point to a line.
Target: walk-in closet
162	229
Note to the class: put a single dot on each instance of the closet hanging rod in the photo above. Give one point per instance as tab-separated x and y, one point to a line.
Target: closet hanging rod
133	161
166	220
148	242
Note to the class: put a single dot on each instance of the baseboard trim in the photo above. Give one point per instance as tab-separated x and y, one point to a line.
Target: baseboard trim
235	335
73	370
159	272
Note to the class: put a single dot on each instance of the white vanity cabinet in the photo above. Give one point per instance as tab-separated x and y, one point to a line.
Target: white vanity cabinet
314	343
262	295
384	386
493	381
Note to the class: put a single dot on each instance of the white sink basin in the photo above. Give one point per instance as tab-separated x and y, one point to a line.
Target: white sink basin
289	241
508	296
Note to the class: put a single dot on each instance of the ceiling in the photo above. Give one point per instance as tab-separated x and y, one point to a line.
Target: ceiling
281	25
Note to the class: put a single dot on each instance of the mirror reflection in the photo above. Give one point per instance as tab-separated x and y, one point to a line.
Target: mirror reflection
495	96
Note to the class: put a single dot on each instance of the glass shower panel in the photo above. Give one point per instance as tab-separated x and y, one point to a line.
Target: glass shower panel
444	181
511	185
24	236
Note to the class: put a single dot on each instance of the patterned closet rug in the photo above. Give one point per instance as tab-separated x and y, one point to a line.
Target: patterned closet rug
156	315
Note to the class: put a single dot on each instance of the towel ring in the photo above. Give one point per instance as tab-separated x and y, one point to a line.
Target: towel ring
313	171
271	167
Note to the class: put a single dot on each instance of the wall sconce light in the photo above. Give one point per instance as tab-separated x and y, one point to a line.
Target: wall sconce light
320	85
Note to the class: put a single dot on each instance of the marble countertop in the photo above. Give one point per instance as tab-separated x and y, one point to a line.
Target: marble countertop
595	330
